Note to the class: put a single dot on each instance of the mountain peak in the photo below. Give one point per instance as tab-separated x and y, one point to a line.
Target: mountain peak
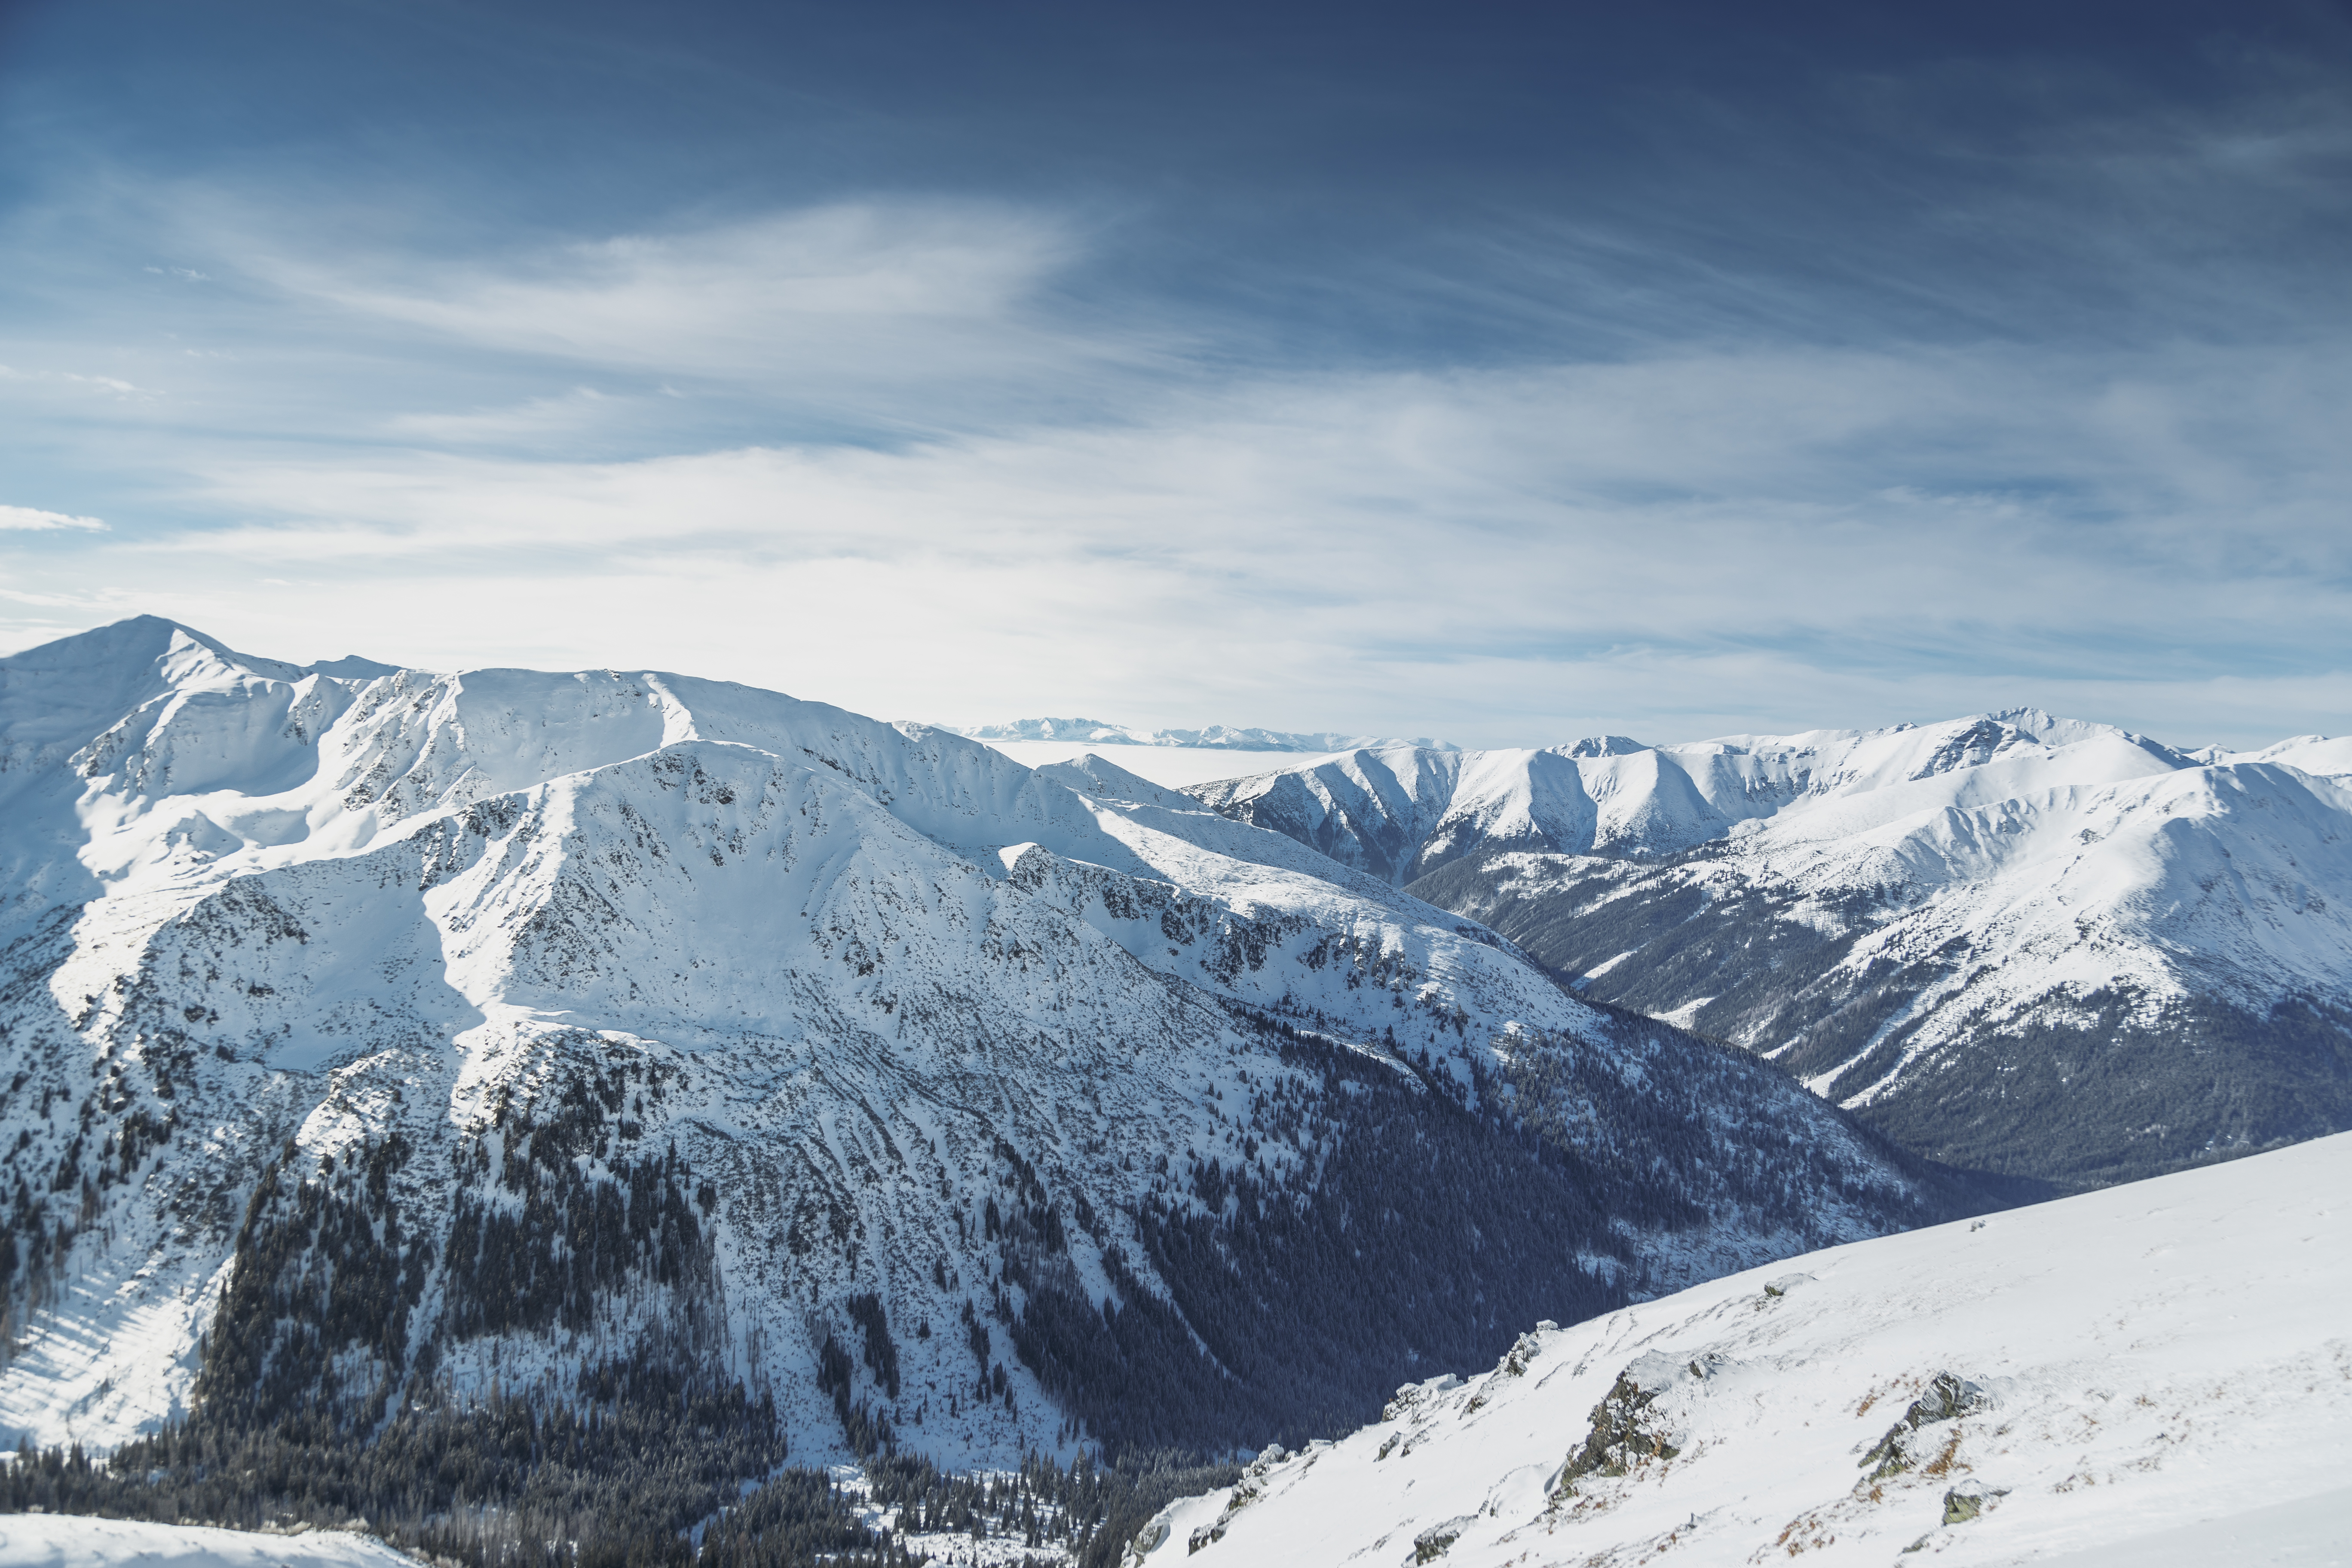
1606	746
352	666
145	645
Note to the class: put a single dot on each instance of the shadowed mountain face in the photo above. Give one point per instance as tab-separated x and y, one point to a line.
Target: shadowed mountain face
382	1042
2013	943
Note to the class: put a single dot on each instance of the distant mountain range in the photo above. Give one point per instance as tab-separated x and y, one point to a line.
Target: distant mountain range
2012	940
1217	737
395	1058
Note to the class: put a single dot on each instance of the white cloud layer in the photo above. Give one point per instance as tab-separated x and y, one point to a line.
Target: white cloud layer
1692	545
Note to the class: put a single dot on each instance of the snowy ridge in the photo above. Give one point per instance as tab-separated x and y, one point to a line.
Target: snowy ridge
860	1011
1403	812
1217	737
2155	1374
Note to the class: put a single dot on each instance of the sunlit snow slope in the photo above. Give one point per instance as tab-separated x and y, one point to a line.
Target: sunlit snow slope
2046	947
371	1036
2152	1376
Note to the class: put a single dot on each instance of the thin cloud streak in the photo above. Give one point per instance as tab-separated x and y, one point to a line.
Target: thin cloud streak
905	311
32	520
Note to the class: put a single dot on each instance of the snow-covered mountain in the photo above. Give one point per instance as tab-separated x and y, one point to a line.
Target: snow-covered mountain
1217	737
1401	812
2155	1375
2014	941
375	1040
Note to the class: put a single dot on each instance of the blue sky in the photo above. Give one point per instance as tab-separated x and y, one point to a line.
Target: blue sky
1507	373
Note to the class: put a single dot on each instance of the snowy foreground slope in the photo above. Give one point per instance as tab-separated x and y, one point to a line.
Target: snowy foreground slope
374	1039
2013	942
2155	1375
63	1541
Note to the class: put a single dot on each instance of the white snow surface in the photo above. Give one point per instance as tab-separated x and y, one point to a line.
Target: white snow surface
2163	1377
67	1540
260	904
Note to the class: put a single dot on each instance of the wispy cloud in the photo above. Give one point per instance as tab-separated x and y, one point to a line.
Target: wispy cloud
113	385
1725	542
30	519
881	304
536	418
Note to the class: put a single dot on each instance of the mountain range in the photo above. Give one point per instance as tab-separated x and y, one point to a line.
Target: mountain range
398	1062
2014	941
1217	737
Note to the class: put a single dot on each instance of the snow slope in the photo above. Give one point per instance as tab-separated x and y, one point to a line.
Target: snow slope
56	1541
594	1006
2157	1373
1869	907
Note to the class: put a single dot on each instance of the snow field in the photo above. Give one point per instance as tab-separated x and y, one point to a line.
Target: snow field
59	1540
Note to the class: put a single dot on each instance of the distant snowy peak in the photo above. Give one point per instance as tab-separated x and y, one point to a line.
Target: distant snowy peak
1403	811
1217	737
2323	757
352	666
